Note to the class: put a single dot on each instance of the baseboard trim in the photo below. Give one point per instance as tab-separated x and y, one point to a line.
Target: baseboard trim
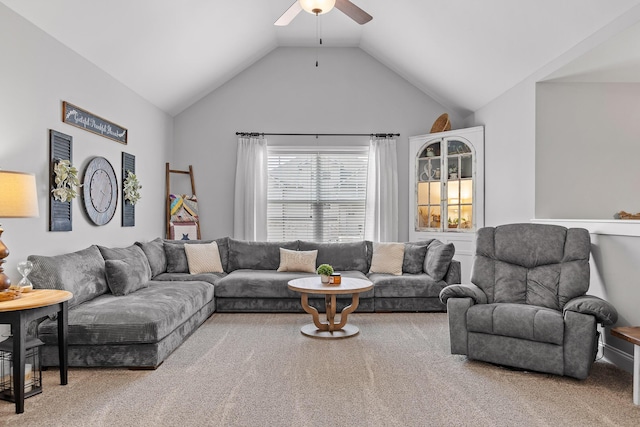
618	357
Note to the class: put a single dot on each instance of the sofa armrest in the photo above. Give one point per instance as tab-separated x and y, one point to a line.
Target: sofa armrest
454	273
463	291
603	311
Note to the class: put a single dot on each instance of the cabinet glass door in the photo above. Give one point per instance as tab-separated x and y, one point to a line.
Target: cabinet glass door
429	181
445	186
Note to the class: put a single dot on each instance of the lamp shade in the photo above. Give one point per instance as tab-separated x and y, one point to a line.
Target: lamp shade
18	195
319	7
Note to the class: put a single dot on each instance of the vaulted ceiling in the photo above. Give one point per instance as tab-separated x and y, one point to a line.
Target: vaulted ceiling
462	53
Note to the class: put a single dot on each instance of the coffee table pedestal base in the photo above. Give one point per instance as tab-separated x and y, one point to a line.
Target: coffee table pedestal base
312	331
331	328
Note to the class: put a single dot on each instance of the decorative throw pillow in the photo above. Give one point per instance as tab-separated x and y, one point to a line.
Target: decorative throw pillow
133	254
438	258
203	258
303	261
177	257
414	254
124	277
387	258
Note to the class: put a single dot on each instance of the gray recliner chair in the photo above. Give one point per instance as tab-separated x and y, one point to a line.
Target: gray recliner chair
526	306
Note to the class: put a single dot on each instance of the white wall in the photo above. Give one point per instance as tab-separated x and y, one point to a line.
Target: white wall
509	149
614	277
36	75
587	149
350	92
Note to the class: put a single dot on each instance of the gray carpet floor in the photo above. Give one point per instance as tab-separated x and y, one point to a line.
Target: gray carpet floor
259	370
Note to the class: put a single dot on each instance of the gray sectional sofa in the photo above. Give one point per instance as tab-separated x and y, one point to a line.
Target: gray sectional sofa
133	306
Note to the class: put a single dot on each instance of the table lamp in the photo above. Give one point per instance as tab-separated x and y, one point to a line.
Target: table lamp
18	199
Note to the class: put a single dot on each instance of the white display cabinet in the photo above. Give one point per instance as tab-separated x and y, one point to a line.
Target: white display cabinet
446	201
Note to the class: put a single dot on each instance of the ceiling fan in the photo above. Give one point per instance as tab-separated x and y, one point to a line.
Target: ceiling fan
320	7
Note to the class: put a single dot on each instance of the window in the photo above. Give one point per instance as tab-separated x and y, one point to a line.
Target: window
317	194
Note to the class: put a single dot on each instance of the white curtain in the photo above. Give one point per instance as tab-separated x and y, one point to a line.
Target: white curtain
250	209
381	223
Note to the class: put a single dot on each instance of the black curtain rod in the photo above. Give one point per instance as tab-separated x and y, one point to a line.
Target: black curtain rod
377	135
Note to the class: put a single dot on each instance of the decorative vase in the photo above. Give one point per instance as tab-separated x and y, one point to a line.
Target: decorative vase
324	278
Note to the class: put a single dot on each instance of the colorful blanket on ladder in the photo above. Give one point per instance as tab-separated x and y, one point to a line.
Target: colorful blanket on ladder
184	208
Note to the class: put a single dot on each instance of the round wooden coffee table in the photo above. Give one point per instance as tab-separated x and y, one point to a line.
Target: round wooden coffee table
330	329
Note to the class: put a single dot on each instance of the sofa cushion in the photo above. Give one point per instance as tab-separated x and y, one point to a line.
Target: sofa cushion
268	284
211	278
177	258
406	286
518	321
439	256
135	258
256	255
154	250
203	258
387	258
304	261
124	276
145	316
258	284
81	273
414	255
348	256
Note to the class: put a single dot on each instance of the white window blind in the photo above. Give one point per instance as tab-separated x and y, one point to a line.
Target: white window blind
317	195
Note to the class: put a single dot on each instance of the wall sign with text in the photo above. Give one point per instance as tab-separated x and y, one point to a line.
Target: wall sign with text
83	119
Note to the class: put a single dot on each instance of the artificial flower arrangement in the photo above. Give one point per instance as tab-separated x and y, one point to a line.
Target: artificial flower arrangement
66	181
131	188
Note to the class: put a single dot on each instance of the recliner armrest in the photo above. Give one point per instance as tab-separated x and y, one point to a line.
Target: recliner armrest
603	311
463	291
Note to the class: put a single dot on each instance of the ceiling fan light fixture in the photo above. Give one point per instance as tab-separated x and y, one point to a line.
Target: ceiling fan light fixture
317	7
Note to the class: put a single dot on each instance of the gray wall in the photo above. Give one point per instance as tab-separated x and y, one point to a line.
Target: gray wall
36	75
350	92
587	146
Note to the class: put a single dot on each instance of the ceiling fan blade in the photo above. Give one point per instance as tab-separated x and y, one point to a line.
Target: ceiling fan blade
353	11
288	16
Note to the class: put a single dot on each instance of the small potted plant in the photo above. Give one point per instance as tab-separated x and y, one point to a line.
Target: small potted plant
66	181
453	172
324	270
453	222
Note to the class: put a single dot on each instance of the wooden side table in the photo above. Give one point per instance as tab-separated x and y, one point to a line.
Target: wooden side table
18	313
632	334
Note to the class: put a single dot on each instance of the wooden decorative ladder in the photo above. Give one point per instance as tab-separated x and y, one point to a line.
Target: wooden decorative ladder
169	171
